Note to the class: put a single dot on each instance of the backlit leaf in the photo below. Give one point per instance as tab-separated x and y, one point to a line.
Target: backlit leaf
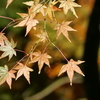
3	74
2	39
28	21
8	3
41	58
64	28
23	70
68	4
70	68
8	49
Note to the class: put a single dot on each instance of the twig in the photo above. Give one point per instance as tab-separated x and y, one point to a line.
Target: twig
51	88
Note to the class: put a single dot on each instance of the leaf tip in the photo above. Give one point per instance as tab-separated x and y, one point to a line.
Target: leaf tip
39	72
70	83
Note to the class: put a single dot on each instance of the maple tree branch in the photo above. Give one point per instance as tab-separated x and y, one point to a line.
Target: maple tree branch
7	18
7	26
40	95
13	22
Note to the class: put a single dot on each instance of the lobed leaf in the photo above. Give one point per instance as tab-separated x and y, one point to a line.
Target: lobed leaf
41	58
23	70
70	68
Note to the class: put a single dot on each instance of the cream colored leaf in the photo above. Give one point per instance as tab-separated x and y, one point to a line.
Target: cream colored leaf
31	24
29	3
3	74
69	4
39	8
6	76
41	58
8	3
70	68
64	28
43	36
8	49
50	10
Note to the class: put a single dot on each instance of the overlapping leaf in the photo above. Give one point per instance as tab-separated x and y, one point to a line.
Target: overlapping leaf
23	70
36	7
8	49
70	68
69	4
9	77
2	39
6	76
64	28
50	9
27	21
43	36
3	74
41	58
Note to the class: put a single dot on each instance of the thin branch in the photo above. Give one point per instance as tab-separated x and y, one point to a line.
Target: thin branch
51	88
21	51
7	18
59	51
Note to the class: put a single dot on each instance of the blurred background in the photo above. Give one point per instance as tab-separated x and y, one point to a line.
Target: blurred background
84	46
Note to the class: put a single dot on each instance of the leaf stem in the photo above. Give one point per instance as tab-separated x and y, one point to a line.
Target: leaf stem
19	61
59	51
21	51
45	47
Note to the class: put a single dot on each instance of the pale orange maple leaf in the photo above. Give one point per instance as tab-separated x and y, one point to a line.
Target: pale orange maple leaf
28	21
23	70
36	6
8	3
70	68
9	77
69	4
41	58
50	9
2	39
64	28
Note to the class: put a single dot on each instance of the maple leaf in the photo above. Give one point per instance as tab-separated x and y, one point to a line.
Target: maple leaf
43	36
41	58
23	70
70	68
69	4
2	39
9	77
27	21
64	28
39	8
29	3
8	3
8	49
51	8
3	74
36	7
6	76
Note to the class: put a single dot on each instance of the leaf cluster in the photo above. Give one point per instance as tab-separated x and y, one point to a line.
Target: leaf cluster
29	20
